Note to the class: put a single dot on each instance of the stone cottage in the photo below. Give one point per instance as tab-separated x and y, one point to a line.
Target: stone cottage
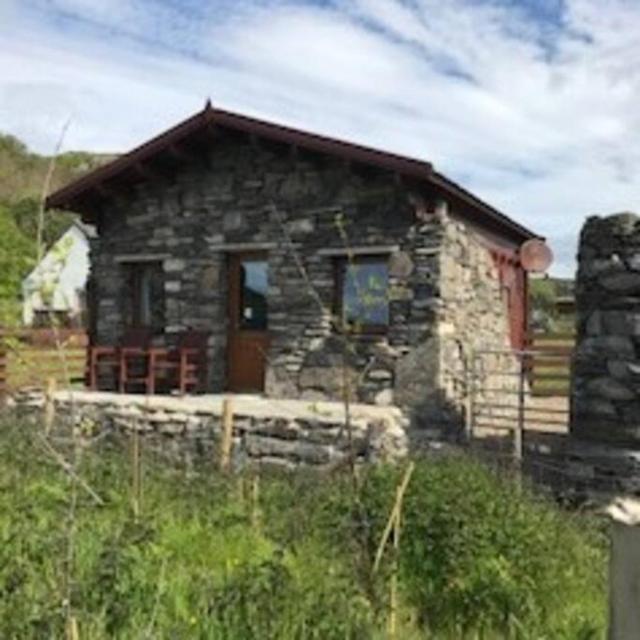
310	261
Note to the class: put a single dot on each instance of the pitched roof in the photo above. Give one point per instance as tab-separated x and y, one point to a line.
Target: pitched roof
73	196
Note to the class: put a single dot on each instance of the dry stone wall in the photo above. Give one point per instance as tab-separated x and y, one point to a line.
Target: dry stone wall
606	368
283	433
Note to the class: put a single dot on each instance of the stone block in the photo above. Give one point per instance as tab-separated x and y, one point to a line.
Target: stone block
233	220
380	374
620	322
301	226
328	379
594	324
174	264
624	282
597	347
633	261
619	369
596	407
172	286
172	427
384	397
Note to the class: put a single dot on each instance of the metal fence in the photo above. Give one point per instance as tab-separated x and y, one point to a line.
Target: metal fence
518	392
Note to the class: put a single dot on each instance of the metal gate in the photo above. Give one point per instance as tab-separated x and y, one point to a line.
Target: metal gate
518	393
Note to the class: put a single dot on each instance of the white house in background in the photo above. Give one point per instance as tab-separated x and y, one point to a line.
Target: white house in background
57	284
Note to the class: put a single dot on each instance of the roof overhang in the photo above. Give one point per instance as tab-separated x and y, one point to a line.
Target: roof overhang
79	195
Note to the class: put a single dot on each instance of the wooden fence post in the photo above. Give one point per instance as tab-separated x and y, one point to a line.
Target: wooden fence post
72	628
471	395
49	405
226	440
3	373
518	434
393	526
136	472
255	499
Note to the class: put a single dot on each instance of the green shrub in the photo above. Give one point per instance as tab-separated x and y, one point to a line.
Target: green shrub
480	554
480	557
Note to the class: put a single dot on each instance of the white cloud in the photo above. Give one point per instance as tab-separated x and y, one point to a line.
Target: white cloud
540	118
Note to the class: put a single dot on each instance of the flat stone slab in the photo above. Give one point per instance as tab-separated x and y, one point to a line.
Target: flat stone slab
244	405
291	432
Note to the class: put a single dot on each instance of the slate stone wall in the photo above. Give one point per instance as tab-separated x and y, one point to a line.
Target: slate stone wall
606	368
301	209
282	433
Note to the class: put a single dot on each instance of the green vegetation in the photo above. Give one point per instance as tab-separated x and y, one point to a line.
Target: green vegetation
22	176
543	296
480	557
16	258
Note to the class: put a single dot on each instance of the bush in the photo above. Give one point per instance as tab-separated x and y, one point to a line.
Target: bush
480	554
480	557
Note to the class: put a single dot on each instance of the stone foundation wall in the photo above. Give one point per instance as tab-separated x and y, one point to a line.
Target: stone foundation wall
283	433
606	369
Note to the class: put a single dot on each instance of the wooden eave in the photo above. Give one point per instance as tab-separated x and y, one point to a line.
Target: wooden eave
204	124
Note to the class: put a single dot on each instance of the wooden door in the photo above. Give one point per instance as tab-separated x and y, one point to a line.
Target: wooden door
248	337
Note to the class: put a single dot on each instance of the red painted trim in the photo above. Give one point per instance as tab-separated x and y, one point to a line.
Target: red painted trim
513	278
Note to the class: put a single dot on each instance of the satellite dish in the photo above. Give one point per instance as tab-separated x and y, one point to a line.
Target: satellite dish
535	256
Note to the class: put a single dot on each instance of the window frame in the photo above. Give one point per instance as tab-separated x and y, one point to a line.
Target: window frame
242	289
138	272
340	266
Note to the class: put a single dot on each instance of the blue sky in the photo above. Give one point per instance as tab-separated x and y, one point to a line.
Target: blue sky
531	104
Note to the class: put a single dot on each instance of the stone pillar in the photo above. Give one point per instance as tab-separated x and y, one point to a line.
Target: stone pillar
606	368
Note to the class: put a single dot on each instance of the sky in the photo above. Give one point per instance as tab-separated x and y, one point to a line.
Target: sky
534	105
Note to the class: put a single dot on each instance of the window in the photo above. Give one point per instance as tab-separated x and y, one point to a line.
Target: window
362	287
146	296
253	294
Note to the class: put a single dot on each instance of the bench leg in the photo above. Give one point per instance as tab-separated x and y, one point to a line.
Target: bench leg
122	384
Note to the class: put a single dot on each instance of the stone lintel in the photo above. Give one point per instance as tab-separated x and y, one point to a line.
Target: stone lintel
141	257
245	246
359	251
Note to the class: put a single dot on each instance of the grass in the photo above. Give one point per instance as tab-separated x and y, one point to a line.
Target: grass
480	556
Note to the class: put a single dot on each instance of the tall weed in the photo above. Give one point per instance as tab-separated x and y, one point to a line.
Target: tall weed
480	557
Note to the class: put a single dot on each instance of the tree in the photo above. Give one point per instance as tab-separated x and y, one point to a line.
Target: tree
17	257
25	215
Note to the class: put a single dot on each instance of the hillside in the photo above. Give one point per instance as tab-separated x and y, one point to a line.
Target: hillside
22	175
22	172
